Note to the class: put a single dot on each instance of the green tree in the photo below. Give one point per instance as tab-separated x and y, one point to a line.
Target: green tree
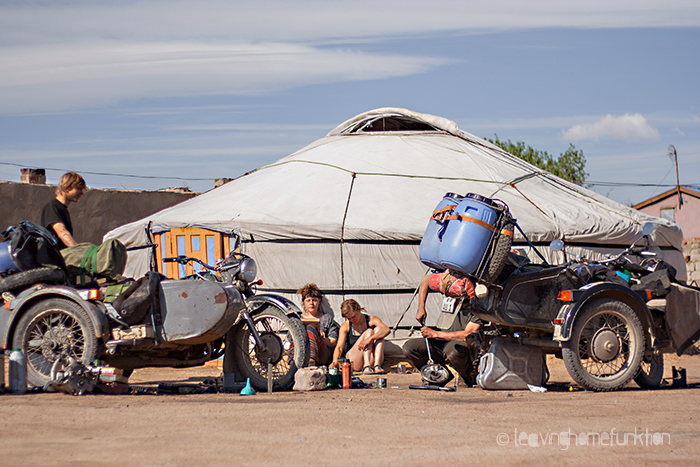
570	165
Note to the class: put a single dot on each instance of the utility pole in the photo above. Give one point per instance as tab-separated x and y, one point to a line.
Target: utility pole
674	157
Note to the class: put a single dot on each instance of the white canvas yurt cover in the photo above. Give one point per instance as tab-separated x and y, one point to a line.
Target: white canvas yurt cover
349	210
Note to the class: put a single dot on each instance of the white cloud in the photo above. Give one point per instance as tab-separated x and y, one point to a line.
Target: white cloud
68	76
628	127
678	131
57	56
309	20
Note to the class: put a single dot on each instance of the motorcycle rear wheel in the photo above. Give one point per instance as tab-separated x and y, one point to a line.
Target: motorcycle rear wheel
52	329
287	345
606	346
651	373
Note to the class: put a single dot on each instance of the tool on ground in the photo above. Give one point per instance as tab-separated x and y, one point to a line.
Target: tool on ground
433	387
434	373
679	378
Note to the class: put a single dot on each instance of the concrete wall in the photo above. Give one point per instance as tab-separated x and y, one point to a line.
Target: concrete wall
97	212
691	251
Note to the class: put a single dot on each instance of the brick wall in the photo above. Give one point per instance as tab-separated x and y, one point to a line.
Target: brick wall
691	251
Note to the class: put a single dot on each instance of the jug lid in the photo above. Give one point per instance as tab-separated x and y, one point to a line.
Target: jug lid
483	199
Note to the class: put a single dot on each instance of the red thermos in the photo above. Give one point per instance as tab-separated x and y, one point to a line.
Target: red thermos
347	375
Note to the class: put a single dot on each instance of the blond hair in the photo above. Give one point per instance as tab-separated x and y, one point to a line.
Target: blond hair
69	181
349	306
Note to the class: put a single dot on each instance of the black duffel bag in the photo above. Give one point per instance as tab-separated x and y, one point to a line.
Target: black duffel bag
32	247
139	300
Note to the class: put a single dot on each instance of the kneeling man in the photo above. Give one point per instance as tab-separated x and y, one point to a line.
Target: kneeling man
455	346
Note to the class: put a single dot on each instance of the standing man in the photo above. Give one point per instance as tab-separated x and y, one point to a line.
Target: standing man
55	216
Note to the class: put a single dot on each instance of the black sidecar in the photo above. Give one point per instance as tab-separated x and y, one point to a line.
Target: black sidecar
600	329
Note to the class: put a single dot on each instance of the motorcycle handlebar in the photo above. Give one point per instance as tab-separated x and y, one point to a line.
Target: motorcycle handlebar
186	259
177	259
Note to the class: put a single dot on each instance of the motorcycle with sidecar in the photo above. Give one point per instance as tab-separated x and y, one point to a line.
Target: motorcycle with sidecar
155	322
607	319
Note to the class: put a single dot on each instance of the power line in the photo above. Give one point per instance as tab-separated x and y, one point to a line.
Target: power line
107	174
110	174
593	183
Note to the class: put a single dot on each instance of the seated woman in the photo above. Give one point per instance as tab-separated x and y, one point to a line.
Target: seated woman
321	340
361	339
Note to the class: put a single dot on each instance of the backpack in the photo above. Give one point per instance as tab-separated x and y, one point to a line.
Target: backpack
31	246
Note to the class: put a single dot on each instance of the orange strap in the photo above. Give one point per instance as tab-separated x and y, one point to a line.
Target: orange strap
507	232
439	212
471	219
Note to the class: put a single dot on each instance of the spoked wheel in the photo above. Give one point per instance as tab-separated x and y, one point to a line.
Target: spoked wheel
651	373
606	346
286	346
50	330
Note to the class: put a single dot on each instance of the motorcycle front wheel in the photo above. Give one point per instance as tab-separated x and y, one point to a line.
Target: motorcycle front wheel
606	346
53	329
286	347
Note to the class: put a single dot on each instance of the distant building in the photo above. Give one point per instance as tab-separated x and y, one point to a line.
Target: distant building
667	205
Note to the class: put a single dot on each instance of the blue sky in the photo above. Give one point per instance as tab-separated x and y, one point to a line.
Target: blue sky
195	91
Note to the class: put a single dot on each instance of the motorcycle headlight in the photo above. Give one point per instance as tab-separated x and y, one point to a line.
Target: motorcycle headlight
248	270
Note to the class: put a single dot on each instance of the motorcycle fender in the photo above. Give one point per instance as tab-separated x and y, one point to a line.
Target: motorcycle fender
255	302
567	314
197	312
9	318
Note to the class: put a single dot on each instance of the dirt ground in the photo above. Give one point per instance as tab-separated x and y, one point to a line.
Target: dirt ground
392	426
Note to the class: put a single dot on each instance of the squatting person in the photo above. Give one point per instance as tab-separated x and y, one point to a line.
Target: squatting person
361	339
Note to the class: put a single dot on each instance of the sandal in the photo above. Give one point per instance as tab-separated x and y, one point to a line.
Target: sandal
365	372
378	370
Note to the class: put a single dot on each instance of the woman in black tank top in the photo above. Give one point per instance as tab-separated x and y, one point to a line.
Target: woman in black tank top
361	339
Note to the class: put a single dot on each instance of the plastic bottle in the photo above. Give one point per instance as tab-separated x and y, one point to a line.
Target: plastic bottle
18	372
429	251
467	237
